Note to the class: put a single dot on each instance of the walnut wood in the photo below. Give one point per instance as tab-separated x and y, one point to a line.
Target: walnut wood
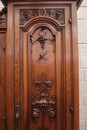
3	30
39	66
2	76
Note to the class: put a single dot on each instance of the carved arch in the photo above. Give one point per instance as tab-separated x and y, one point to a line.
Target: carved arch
42	20
47	25
47	100
42	36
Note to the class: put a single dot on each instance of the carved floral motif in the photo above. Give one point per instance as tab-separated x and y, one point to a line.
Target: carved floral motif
42	38
56	14
43	104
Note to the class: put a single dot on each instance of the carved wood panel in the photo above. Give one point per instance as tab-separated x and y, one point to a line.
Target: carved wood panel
43	86
40	71
56	14
41	42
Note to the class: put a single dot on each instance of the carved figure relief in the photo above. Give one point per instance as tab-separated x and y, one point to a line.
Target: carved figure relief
56	14
43	104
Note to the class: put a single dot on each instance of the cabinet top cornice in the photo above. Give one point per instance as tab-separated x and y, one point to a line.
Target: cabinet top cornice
5	2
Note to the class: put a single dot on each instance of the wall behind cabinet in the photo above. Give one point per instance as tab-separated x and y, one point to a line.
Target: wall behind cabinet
82	43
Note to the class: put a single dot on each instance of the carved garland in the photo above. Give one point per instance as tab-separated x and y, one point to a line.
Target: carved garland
56	14
43	104
42	38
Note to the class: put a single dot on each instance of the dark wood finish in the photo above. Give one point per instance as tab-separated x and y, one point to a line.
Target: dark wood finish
40	68
10	70
3	29
41	60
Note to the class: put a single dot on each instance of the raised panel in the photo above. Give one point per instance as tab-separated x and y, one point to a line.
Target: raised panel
43	78
43	72
41	66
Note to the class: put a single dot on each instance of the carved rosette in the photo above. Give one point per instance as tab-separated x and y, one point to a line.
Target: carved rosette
56	14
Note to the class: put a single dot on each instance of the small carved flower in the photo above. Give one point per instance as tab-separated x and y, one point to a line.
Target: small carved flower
58	15
26	15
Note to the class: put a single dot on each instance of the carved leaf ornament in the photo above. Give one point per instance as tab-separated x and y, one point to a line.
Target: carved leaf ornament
43	104
56	14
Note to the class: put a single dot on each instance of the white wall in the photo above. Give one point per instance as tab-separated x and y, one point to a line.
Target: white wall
1	5
82	43
82	40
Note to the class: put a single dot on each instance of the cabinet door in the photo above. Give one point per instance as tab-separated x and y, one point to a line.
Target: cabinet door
2	80
43	90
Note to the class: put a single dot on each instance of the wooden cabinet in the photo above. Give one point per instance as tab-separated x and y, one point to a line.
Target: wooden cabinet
42	66
3	29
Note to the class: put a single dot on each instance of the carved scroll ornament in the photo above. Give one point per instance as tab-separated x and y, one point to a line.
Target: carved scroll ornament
56	14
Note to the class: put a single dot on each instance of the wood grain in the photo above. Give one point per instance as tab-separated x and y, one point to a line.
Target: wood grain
39	71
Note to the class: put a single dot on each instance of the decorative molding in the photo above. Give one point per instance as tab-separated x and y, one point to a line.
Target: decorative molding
28	14
5	2
43	104
3	16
